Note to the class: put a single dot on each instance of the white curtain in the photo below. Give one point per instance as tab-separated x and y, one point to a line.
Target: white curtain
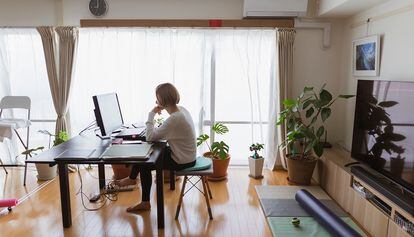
23	72
133	61
245	65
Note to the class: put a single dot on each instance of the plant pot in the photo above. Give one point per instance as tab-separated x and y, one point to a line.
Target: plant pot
219	167
300	170
256	167
45	172
121	171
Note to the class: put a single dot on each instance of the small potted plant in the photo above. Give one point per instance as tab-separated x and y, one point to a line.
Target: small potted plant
218	152
304	118
44	171
256	161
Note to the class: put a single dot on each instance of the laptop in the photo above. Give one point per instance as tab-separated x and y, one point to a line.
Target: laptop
132	134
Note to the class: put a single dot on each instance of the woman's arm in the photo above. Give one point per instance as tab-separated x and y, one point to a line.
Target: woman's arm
153	133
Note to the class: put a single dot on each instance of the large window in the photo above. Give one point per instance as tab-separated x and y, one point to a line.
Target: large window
23	72
222	75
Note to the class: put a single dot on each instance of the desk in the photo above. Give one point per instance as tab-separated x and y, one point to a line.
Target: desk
91	142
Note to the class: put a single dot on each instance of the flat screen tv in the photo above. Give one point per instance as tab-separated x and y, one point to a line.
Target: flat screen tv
383	135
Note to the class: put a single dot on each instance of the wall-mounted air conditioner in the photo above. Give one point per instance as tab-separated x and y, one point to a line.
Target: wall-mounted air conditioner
274	8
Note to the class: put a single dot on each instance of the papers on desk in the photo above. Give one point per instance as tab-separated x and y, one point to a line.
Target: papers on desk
128	152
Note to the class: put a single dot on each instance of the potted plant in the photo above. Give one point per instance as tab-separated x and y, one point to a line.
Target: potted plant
218	152
304	118
256	161
44	171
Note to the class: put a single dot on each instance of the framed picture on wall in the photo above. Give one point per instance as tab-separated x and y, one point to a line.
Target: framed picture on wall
365	55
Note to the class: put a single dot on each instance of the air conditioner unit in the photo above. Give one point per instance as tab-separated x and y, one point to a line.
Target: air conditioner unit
274	8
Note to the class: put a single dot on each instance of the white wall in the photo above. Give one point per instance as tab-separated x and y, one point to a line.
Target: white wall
315	66
397	50
28	12
157	9
69	12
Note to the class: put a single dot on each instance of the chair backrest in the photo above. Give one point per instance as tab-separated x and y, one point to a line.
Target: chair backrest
15	102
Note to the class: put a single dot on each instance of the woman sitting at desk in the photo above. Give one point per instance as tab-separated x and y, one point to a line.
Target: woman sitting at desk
178	130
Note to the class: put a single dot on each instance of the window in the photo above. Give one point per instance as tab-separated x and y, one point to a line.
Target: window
23	71
222	75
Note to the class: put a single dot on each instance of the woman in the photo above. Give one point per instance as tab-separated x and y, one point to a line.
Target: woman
179	132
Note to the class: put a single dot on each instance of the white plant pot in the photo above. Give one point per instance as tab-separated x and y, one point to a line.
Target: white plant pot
45	172
256	167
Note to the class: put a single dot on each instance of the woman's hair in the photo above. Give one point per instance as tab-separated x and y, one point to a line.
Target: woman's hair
167	94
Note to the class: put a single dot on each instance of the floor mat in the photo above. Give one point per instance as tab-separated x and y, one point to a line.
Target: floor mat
279	206
282	226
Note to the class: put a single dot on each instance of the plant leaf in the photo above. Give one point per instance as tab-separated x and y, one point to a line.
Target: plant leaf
325	113
318	149
309	112
345	96
202	138
320	131
307	89
387	104
220	128
307	103
220	149
325	96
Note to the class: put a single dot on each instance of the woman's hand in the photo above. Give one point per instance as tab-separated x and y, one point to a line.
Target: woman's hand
157	109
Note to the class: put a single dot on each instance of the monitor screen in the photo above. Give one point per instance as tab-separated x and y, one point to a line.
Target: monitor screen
383	135
108	113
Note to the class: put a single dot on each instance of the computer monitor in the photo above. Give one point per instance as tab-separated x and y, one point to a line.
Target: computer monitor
107	113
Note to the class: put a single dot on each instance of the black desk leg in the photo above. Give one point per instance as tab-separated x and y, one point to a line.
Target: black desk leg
160	197
172	179
65	195
101	171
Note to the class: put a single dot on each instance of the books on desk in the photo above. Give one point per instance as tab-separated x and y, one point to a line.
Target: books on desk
131	152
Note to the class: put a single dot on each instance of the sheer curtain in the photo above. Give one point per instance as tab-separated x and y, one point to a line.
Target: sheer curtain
132	62
245	67
223	75
23	72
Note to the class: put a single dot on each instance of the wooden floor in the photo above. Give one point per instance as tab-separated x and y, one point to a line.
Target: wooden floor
235	206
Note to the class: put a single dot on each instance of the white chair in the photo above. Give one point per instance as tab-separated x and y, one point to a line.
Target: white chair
16	102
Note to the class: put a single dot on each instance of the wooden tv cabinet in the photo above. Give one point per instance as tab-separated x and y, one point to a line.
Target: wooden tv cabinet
337	180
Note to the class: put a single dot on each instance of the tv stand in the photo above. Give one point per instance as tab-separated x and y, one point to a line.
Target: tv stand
394	192
378	214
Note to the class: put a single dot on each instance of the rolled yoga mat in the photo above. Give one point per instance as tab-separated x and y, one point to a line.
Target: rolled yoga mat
8	202
331	222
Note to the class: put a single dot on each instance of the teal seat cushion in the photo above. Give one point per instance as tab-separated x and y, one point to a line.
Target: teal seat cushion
202	163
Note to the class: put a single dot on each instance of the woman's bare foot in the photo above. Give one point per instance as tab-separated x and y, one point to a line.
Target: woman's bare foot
125	182
143	206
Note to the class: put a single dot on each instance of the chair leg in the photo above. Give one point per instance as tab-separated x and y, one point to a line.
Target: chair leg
208	188
180	201
206	197
25	174
1	163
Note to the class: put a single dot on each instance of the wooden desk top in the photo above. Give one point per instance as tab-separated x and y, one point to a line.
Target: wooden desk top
88	142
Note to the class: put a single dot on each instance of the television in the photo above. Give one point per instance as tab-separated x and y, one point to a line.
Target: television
383	135
107	113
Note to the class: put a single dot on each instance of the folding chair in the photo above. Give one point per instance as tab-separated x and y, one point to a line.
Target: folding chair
17	102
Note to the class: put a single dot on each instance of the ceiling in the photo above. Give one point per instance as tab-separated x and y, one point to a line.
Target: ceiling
345	8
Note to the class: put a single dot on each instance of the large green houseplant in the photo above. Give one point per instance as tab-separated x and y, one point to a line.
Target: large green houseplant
218	152
304	118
